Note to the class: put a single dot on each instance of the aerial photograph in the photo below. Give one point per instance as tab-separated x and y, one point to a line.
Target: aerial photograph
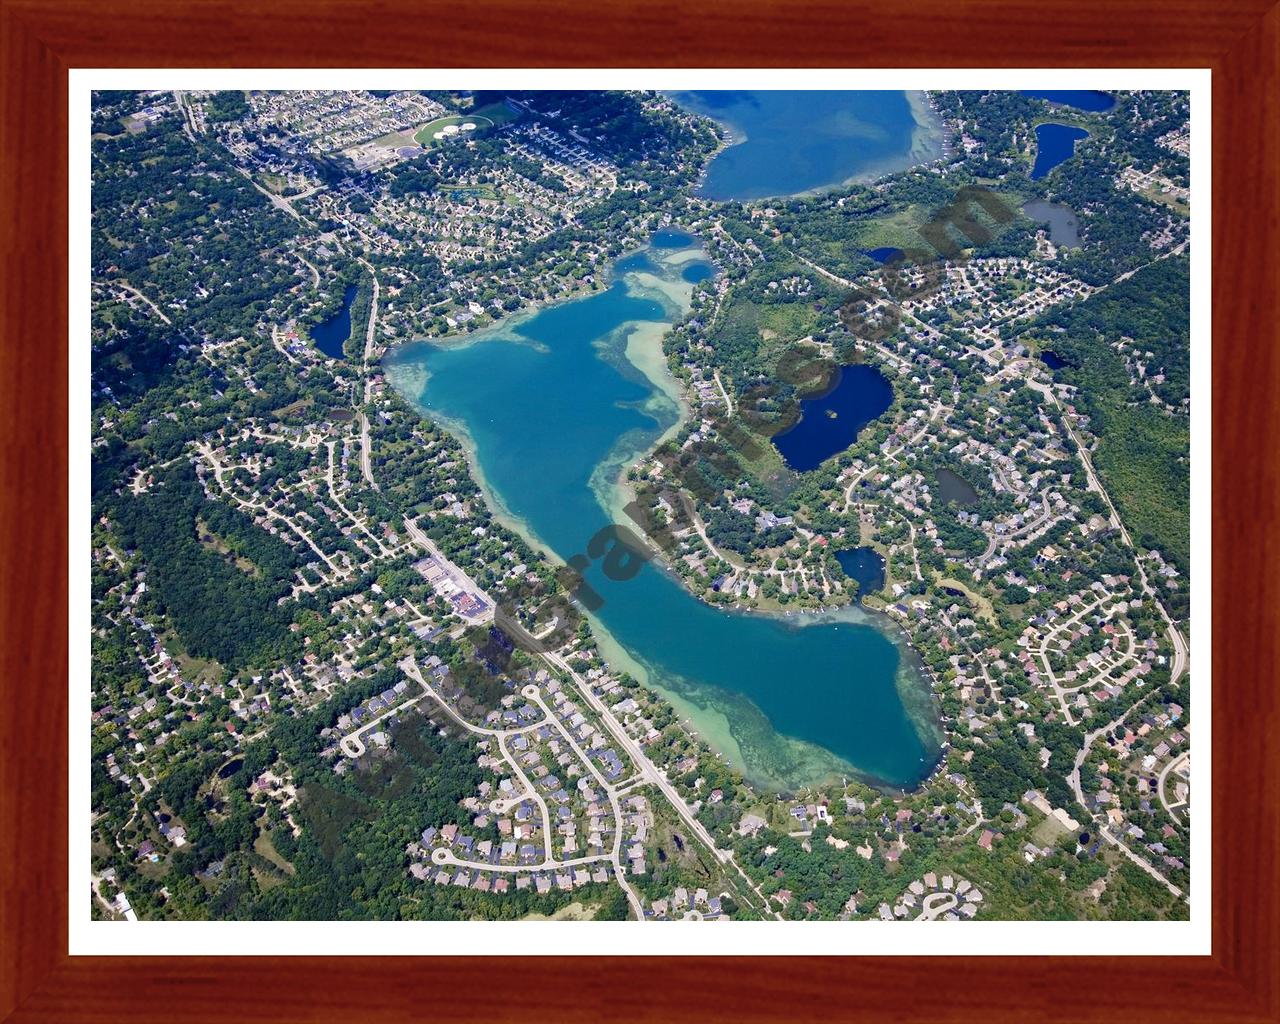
652	506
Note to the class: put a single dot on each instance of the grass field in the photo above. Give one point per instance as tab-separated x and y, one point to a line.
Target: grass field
394	140
1174	203
496	113
275	182
196	670
479	191
980	604
573	912
292	407
1048	832
789	320
264	846
900	230
425	133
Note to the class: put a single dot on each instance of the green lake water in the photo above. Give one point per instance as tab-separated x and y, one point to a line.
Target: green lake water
552	408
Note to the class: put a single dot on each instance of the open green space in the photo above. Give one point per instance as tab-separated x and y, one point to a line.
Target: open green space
426	134
497	114
470	191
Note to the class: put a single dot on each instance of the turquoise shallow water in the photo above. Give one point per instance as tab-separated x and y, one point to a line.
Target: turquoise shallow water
552	410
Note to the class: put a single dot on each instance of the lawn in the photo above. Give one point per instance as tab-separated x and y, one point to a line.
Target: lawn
425	134
980	604
394	140
573	912
1048	832
465	191
496	113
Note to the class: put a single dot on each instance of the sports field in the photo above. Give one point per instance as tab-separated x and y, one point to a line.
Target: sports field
426	134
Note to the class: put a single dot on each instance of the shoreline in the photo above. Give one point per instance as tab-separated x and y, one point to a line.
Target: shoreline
513	320
927	146
497	507
642	348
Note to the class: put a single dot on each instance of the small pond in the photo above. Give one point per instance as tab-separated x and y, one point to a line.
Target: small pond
831	421
884	254
332	334
1061	220
950	486
1055	144
864	564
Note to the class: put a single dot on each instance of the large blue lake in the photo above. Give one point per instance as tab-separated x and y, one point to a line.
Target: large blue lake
552	407
791	141
1081	99
1055	144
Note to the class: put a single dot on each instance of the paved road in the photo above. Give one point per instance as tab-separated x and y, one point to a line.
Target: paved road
1141	862
723	393
1025	530
188	119
278	342
219	469
1083	753
1181	653
383	550
366	451
647	769
126	286
1043	649
823	271
651	774
549	862
373	319
310	266
1160	781
366	446
459	577
936	904
279	202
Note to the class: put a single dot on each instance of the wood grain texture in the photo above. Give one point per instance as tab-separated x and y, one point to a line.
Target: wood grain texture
40	40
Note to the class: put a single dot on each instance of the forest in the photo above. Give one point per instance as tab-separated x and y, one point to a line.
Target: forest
620	126
178	222
227	105
220	609
1142	449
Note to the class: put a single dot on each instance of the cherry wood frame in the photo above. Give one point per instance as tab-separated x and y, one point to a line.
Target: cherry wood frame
41	39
